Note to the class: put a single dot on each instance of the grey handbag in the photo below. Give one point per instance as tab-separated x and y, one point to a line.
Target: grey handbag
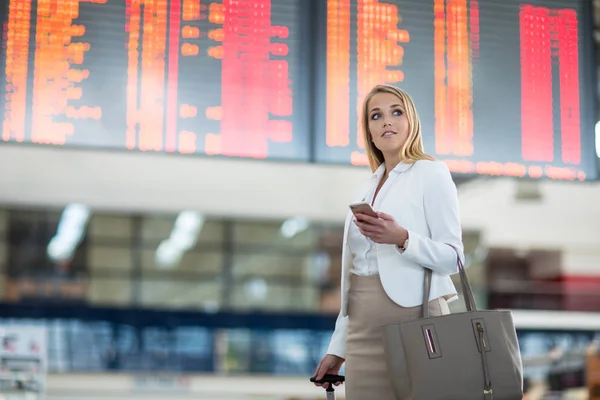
462	356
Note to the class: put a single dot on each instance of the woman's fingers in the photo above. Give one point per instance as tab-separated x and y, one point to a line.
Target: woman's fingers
368	219
368	229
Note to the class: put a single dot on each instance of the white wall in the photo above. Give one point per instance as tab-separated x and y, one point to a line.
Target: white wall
158	182
567	217
566	214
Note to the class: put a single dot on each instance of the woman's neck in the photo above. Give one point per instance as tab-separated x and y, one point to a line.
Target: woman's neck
390	163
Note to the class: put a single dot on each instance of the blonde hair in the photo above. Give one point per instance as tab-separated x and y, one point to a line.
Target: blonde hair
412	150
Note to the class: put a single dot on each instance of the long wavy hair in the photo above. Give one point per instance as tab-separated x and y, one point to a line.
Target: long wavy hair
412	150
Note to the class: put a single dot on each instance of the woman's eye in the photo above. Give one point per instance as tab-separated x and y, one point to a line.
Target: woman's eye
398	112
375	116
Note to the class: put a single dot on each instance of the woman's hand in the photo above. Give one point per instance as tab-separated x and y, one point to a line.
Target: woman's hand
330	364
382	230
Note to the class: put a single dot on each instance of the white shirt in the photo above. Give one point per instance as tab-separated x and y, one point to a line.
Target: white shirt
364	251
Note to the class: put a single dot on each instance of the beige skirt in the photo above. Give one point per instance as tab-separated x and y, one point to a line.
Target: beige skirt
369	308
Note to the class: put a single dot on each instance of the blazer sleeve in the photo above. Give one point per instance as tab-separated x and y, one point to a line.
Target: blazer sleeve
440	202
337	345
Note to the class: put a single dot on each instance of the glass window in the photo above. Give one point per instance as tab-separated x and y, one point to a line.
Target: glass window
286	267
166	260
3	254
263	294
278	267
110	228
201	262
3	222
101	257
109	291
110	259
183	293
155	229
28	237
275	281
275	234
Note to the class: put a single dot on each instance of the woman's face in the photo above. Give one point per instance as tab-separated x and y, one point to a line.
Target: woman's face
388	124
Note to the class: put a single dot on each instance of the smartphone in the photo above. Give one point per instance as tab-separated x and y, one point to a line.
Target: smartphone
364	208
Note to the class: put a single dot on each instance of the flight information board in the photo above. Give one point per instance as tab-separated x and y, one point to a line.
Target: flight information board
189	76
502	87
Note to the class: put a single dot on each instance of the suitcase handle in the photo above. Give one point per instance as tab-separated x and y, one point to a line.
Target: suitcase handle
329	378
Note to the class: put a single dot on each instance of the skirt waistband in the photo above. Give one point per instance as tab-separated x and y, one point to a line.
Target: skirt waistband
361	282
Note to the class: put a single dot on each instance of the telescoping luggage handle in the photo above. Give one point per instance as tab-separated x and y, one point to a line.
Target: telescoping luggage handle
331	379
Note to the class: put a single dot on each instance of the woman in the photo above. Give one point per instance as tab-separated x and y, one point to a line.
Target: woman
384	258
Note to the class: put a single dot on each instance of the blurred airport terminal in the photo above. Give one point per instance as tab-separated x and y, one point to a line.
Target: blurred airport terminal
175	174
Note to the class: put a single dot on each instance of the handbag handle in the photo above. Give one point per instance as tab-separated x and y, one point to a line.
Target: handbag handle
464	280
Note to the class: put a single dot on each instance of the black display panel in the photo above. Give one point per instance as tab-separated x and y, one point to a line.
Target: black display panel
186	76
502	87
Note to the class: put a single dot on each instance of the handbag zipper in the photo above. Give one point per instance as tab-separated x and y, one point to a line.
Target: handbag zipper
488	393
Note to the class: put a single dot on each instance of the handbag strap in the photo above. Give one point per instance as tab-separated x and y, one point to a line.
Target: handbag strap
464	281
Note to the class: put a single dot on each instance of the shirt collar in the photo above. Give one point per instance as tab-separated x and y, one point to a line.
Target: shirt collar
398	169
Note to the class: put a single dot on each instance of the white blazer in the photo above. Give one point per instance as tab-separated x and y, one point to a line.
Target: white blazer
423	200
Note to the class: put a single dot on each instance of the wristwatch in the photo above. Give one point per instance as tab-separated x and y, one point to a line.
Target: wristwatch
404	245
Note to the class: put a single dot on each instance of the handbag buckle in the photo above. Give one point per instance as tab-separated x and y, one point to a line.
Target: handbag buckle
488	394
